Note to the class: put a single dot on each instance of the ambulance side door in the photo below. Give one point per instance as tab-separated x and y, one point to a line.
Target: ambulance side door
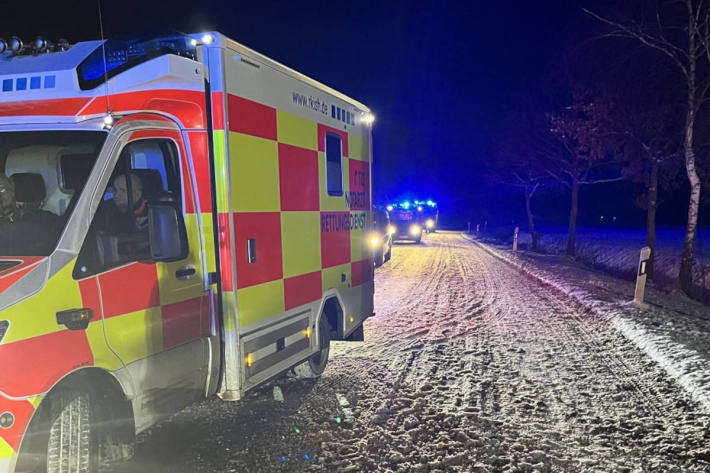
156	314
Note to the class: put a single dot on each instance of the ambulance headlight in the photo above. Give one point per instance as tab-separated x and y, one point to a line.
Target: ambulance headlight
415	230
391	229
420	208
3	45
429	224
15	44
389	208
39	45
374	241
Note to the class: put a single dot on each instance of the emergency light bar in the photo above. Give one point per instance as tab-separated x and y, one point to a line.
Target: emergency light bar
40	45
407	204
124	54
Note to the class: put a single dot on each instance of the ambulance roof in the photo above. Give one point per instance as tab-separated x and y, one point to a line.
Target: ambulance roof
58	61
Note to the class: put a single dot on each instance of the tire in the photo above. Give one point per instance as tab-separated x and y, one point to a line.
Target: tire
315	365
72	444
418	240
379	258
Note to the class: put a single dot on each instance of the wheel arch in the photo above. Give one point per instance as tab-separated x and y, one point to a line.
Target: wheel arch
332	309
114	413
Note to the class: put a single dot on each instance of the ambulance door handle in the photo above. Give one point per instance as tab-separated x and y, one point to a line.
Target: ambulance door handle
185	273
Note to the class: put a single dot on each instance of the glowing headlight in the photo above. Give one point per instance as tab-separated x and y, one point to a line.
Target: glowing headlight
374	241
430	223
415	230
391	229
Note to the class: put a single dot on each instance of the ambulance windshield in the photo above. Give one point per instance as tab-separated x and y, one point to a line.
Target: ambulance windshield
42	174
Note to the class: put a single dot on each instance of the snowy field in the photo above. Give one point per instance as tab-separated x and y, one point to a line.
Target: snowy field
616	250
469	366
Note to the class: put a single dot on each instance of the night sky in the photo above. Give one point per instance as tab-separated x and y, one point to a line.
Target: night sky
437	75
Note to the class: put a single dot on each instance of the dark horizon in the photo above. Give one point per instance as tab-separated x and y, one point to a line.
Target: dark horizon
438	81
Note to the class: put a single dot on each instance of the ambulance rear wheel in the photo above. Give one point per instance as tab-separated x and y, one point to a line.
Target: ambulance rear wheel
72	444
315	365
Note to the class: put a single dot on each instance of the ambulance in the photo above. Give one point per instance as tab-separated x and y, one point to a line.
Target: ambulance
190	219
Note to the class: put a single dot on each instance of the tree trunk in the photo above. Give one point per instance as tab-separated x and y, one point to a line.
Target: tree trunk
685	275
531	219
572	237
651	216
687	257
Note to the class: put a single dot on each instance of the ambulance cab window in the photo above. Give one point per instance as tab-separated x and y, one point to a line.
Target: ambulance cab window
42	176
334	164
147	173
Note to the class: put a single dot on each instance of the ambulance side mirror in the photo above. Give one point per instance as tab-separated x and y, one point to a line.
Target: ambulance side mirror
167	233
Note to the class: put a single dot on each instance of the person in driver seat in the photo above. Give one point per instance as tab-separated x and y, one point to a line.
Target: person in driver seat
125	185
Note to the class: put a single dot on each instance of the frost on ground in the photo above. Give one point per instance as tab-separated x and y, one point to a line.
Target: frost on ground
616	250
469	365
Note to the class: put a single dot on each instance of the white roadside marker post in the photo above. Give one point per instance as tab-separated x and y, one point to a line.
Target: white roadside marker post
515	238
641	275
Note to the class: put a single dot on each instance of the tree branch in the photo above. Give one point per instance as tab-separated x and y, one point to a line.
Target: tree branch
659	44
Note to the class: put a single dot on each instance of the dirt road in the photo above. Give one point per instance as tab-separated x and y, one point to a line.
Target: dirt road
468	366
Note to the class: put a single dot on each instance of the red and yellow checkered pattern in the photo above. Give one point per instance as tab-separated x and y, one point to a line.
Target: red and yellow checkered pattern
278	197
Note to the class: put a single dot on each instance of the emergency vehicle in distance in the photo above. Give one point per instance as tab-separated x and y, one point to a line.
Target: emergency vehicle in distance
252	184
430	214
406	221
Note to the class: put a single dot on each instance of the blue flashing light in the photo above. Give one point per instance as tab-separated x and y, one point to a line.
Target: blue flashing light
406	205
429	202
124	54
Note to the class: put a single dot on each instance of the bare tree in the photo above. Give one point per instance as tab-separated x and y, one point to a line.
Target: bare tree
584	155
679	31
519	148
646	119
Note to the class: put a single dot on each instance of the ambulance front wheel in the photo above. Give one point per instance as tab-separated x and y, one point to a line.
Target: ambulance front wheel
315	365
72	446
62	437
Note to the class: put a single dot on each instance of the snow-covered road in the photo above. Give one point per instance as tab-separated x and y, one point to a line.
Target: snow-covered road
469	365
